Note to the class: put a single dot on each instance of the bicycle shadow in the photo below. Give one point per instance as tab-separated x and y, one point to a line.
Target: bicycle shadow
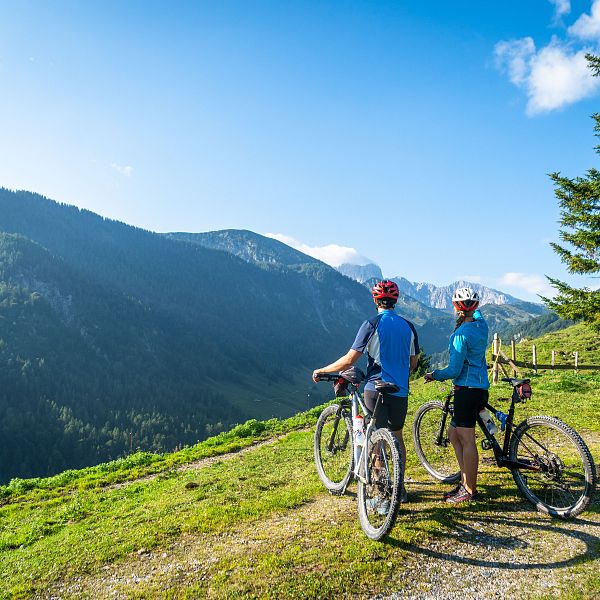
496	532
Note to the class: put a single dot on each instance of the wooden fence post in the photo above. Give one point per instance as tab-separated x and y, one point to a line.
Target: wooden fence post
553	352
576	361
513	355
495	351
534	358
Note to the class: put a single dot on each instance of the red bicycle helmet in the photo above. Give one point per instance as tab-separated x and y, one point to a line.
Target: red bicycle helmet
385	290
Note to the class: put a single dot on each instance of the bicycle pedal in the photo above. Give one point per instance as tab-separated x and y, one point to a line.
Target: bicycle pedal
486	444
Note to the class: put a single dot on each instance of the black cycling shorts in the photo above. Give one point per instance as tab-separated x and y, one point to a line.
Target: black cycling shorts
392	413
467	404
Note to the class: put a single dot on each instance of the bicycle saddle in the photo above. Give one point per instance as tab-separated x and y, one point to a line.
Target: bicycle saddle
515	382
353	375
384	387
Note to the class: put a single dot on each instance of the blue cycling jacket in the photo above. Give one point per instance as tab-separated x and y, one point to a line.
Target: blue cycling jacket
389	341
467	366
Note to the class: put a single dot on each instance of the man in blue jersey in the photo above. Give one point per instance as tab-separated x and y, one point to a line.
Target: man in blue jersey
392	348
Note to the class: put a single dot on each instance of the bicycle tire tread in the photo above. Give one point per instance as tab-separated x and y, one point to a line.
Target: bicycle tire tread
587	459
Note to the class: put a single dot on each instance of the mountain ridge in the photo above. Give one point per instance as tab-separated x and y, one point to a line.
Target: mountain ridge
428	306
160	342
248	246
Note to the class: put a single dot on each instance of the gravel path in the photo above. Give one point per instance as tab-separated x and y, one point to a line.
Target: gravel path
503	550
504	555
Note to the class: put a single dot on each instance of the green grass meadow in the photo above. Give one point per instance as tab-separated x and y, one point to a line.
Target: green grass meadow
259	524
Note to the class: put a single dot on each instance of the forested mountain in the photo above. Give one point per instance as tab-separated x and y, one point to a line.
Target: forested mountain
113	337
82	368
432	324
107	330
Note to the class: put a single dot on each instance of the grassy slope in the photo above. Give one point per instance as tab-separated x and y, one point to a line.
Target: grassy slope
577	338
259	523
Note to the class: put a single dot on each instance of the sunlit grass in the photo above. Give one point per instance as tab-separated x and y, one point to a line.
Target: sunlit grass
303	542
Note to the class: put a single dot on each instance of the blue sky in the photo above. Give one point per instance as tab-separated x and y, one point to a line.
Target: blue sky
418	134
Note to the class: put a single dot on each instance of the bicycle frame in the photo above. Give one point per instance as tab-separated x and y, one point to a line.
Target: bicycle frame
501	453
357	405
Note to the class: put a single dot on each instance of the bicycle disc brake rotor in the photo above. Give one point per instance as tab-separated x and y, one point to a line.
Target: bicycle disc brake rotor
379	493
552	467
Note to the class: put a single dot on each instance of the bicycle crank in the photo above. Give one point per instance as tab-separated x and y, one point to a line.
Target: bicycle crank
486	444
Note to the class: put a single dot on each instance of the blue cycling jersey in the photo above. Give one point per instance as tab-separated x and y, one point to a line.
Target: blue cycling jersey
389	341
467	365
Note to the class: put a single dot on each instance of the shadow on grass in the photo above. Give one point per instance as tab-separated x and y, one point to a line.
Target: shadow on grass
512	531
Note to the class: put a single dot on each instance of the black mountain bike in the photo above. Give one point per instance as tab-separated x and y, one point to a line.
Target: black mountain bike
550	463
373	459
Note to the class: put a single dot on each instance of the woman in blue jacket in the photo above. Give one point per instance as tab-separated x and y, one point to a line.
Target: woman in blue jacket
468	370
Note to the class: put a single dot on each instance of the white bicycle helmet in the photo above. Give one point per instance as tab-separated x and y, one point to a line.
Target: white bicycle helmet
465	299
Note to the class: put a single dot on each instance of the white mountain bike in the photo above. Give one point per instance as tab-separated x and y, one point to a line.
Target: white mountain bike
371	456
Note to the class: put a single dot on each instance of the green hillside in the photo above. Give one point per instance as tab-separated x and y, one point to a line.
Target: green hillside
112	337
536	327
577	338
258	523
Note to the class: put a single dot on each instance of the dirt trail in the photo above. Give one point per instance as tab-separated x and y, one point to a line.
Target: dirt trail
197	464
506	551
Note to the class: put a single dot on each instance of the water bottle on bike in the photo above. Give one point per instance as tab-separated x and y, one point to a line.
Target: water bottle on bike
358	427
486	417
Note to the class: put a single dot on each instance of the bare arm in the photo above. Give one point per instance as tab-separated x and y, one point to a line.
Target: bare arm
344	362
414	361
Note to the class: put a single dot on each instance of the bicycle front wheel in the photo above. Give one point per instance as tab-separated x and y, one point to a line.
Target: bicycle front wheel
438	459
334	455
378	500
564	479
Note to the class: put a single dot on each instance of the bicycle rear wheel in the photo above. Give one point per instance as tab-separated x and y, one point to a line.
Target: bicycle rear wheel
334	455
566	480
439	460
378	501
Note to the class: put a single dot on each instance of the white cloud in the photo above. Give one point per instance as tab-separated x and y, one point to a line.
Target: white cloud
552	77
557	74
561	7
122	169
587	27
332	254
530	283
558	78
515	56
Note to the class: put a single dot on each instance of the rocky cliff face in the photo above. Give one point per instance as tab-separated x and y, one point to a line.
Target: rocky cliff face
441	297
361	273
249	246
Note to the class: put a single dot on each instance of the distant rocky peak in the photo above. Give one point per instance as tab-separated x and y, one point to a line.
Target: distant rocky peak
441	296
361	273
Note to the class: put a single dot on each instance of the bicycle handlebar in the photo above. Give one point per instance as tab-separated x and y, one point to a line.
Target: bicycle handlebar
328	376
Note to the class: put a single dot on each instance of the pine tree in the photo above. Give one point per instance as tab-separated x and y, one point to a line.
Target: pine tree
579	200
423	366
